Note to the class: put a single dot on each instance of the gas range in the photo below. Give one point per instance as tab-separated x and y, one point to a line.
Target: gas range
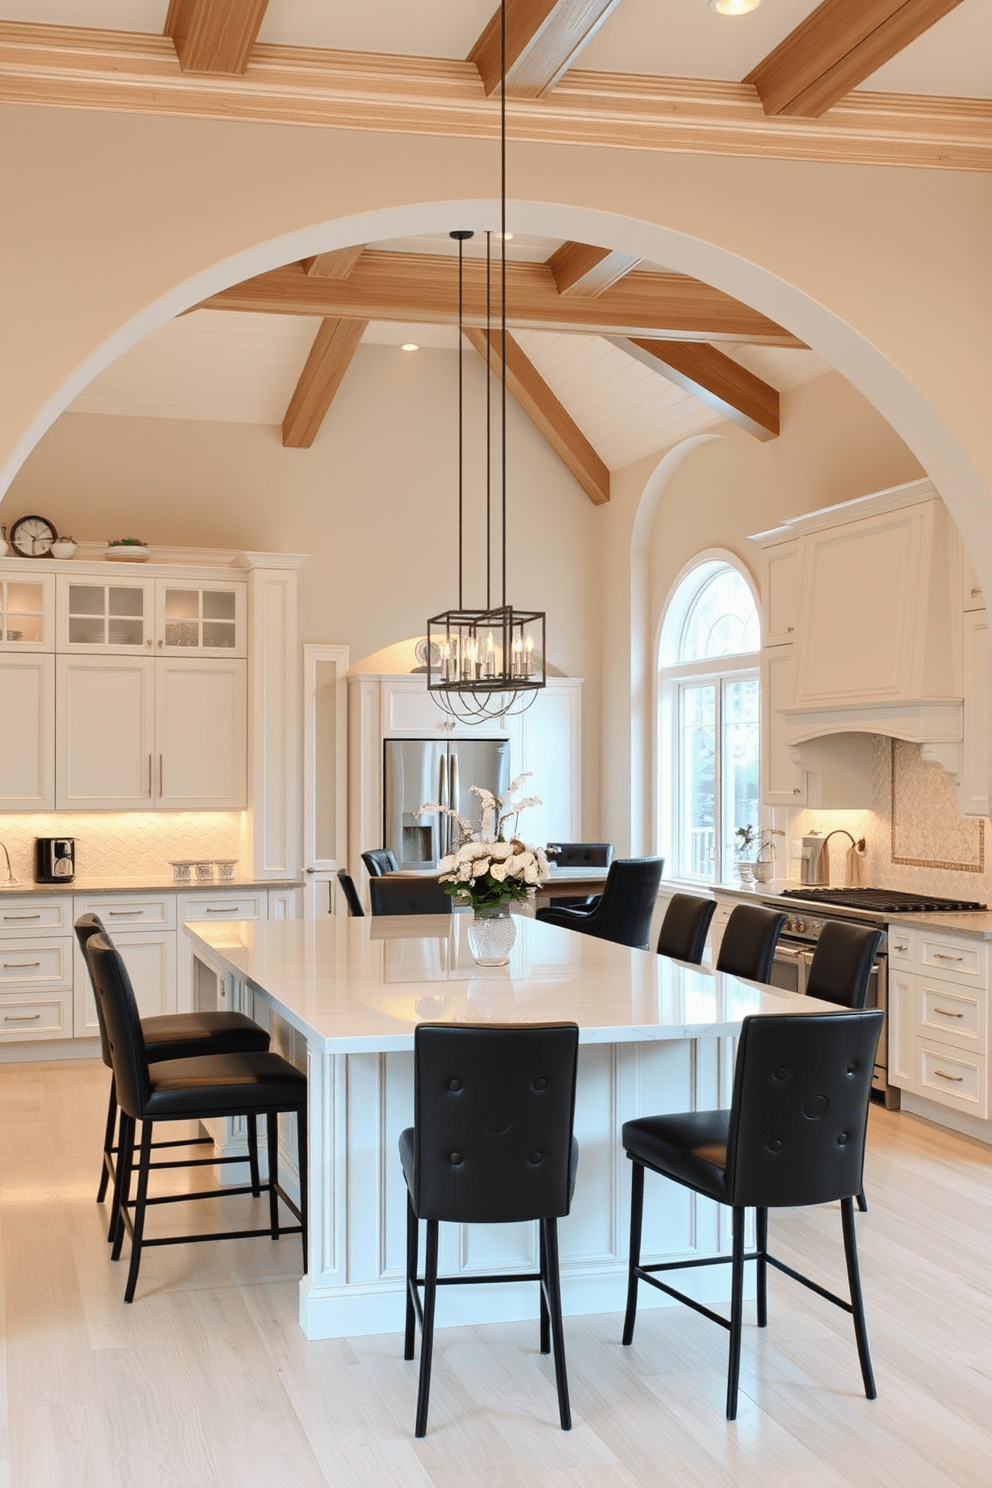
866	905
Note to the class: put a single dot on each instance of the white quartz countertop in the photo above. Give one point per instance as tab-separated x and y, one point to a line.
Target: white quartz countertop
83	884
362	985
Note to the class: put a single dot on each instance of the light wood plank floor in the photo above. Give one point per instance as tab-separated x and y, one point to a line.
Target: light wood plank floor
207	1382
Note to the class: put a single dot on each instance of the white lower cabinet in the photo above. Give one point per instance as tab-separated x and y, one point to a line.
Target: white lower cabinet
938	1018
35	969
144	931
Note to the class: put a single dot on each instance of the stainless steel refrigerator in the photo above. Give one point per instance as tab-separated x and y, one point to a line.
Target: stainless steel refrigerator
419	770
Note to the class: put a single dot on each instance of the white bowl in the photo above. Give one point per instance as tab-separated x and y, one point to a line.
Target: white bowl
127	553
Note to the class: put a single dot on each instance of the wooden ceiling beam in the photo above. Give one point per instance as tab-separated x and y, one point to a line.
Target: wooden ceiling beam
133	72
548	415
837	47
337	264
581	269
714	378
330	357
214	35
543	38
423	288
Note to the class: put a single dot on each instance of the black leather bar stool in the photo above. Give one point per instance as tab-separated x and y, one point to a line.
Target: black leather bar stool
408	896
175	1036
579	855
491	1143
624	909
840	972
197	1089
685	927
749	940
350	894
380	860
794	1135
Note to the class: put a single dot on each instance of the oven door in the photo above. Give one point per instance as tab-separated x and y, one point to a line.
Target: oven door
790	969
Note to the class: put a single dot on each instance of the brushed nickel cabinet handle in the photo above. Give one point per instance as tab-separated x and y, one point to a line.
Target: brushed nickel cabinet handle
946	1013
222	909
35	916
21	1018
955	1079
940	956
19	965
125	911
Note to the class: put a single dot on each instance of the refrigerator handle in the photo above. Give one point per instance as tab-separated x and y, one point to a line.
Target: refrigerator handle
452	789
442	797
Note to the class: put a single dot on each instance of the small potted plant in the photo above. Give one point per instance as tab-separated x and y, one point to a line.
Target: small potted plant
127	550
756	853
63	547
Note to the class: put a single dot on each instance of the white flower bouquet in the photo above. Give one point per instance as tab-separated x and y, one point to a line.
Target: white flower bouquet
494	867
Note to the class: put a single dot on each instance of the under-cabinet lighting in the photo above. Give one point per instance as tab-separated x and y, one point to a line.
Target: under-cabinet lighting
409	346
734	7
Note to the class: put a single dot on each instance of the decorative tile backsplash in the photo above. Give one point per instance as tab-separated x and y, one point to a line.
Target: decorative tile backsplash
133	844
916	837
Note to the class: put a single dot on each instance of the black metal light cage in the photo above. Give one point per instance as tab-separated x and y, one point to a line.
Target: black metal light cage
475	656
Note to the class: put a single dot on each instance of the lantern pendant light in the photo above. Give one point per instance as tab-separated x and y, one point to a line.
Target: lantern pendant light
484	663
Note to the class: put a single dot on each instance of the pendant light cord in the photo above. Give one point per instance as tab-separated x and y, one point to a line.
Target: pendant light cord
502	224
461	440
489	423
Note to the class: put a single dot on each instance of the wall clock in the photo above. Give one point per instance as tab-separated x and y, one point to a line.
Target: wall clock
32	537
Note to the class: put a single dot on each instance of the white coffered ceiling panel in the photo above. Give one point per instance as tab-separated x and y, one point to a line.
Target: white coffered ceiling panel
210	364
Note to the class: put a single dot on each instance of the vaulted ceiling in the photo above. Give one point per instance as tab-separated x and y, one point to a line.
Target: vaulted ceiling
610	357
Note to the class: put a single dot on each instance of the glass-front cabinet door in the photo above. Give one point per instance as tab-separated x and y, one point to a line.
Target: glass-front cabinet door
200	619
97	616
27	613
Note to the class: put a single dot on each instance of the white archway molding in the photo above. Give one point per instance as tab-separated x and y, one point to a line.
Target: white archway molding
888	388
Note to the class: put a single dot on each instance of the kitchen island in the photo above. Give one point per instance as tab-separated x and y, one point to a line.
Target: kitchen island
343	997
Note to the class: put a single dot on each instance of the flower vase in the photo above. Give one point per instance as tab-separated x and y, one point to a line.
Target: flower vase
491	934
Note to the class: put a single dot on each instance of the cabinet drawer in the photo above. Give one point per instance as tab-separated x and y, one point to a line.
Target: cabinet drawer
952	1014
128	912
29	916
29	962
953	957
223	907
902	946
953	1079
43	1017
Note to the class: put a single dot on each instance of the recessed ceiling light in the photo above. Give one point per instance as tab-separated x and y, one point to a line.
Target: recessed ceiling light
506	237
409	346
734	7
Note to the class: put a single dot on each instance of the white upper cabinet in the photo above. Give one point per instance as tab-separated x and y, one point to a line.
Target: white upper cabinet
778	620
27	737
200	619
27	612
96	616
105	739
200	742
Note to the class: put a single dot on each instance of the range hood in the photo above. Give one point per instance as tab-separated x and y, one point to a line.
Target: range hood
876	630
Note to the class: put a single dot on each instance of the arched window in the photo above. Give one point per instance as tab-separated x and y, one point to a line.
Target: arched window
709	719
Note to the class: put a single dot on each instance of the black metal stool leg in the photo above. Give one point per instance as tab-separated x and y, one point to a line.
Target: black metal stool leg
427	1337
108	1143
736	1313
272	1139
761	1236
543	1267
256	1182
636	1215
140	1202
862	1201
412	1247
550	1229
857	1302
122	1184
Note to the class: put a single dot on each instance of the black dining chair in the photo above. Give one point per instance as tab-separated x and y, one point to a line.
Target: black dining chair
685	927
579	855
408	896
749	940
174	1036
624	909
202	1088
350	894
491	1143
793	1136
840	972
380	860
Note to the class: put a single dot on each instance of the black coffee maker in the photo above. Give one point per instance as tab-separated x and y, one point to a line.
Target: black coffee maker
54	860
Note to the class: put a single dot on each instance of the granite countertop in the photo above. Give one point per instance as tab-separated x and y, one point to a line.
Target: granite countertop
84	884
